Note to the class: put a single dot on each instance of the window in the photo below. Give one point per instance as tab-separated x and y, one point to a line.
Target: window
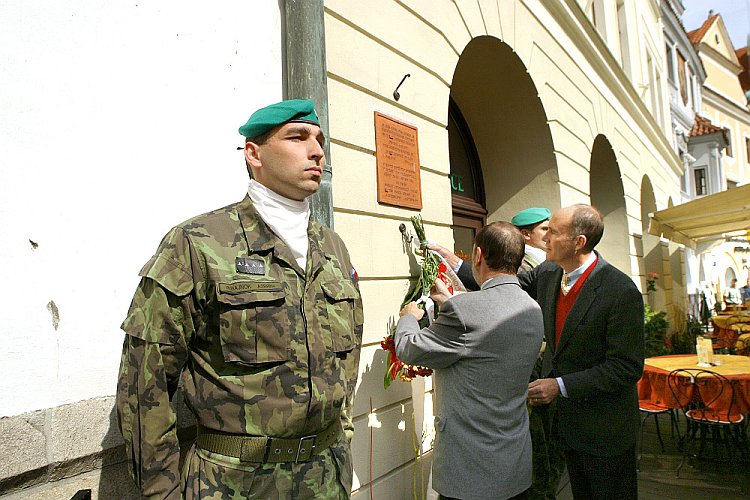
659	101
682	76
670	62
690	85
653	88
729	142
747	149
700	182
622	29
598	18
593	13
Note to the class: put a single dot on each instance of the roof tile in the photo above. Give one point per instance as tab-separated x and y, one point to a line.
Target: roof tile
697	35
744	59
703	126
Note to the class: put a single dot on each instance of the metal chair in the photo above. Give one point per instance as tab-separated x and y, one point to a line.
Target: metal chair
707	399
647	409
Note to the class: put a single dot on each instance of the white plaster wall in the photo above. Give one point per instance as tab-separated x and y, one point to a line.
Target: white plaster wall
119	120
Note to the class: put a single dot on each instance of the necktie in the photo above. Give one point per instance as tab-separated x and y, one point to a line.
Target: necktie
564	287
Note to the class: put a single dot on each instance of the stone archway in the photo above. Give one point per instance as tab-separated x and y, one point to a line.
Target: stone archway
653	259
608	195
501	107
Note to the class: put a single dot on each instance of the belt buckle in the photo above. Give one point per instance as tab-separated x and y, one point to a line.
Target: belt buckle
301	450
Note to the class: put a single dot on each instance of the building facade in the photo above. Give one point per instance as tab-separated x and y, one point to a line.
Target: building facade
515	104
719	145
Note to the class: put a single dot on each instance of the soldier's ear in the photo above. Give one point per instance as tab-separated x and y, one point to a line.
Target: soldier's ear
252	156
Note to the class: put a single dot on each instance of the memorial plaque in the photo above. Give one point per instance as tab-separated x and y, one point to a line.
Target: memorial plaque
397	159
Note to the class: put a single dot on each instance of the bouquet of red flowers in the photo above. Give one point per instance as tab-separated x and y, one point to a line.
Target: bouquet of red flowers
432	268
396	368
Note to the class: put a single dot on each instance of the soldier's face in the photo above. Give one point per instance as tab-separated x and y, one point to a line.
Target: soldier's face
535	236
291	161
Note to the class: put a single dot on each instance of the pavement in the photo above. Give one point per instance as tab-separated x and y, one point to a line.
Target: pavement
713	477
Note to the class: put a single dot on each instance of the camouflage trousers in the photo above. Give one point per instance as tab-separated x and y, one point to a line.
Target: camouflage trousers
548	459
212	476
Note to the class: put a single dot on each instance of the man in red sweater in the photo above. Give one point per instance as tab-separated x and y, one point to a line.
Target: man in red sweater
593	324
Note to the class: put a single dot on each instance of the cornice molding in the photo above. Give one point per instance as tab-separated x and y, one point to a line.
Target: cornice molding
719	58
579	29
723	103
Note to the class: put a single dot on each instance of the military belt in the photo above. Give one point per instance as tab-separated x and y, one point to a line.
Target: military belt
267	449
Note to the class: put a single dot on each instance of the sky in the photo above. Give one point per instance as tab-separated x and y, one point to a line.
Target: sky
734	13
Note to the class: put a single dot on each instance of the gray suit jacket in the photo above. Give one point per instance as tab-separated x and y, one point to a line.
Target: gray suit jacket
483	347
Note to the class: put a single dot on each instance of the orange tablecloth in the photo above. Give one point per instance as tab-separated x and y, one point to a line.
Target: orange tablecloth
653	384
729	326
725	320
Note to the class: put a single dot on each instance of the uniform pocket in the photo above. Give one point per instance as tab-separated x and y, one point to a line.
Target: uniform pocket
253	322
343	312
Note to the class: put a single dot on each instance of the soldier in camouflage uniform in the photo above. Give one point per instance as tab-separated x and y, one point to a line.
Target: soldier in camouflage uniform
548	459
266	350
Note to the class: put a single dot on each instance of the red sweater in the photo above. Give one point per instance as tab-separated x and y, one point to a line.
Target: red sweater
565	302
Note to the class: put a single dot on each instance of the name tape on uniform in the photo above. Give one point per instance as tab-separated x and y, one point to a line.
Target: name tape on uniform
251	286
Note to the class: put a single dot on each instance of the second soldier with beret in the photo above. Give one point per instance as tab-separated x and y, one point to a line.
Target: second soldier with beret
548	459
255	309
534	224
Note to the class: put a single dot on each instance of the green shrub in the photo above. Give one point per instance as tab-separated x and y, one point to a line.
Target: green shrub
655	328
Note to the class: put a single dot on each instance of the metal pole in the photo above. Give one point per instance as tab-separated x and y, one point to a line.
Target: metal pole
306	78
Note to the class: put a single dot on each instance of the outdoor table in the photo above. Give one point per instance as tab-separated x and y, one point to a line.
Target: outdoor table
653	385
729	326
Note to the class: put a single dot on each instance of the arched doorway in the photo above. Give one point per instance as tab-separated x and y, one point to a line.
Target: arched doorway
608	195
494	97
467	186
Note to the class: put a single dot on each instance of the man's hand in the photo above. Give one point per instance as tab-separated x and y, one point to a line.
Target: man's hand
439	292
450	258
543	391
413	309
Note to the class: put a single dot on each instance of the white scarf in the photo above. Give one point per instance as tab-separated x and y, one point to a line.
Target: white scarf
537	254
287	218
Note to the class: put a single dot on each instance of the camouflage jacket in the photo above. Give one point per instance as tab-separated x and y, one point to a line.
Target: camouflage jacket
263	347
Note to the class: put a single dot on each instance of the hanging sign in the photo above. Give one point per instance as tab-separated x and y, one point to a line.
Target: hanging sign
397	159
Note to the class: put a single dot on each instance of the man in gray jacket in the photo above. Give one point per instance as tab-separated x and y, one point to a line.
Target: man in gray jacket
482	346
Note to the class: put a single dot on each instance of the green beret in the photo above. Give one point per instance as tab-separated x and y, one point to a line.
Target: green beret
530	216
293	110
